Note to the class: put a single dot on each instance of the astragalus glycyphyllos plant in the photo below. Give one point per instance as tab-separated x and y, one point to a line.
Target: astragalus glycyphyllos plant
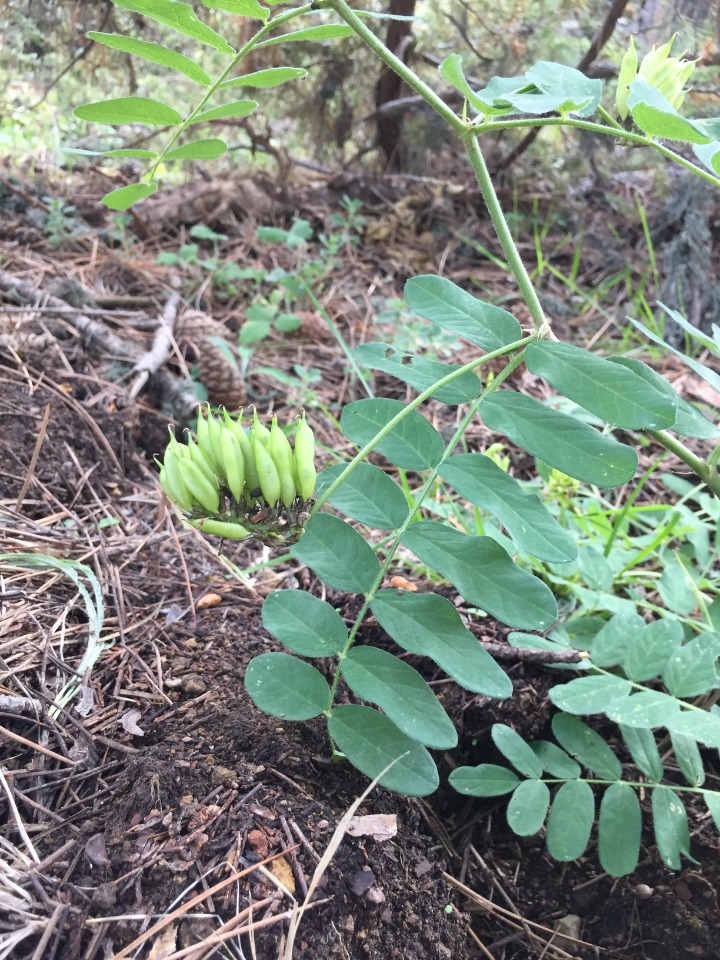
645	670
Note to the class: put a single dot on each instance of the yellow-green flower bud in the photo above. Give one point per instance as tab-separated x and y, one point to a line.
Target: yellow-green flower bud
628	72
221	528
260	431
251	477
233	462
201	489
268	477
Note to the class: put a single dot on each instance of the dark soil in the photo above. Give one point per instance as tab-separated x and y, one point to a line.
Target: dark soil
173	781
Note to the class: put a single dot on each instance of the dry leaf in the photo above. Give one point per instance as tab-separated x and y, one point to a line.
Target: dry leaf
208	600
129	723
95	850
379	826
400	583
282	871
164	943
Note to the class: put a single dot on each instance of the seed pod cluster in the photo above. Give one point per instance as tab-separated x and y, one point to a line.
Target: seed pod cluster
236	482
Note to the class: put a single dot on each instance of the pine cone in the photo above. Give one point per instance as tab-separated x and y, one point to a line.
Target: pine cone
220	376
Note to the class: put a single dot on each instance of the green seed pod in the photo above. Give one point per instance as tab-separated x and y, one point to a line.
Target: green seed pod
175	485
305	460
251	477
198	457
204	438
201	489
221	528
260	431
268	477
282	455
232	461
628	72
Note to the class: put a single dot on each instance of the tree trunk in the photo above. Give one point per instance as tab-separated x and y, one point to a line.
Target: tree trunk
389	86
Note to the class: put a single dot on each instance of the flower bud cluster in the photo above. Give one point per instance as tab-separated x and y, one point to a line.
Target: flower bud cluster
667	74
236	482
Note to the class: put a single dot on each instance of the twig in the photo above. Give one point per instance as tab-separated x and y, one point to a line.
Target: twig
33	459
163	341
505	652
18	820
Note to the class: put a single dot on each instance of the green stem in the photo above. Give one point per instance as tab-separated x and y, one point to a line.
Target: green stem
344	11
502	230
707	473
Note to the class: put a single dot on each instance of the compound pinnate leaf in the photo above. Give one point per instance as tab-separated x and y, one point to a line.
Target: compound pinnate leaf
486	780
512	746
129	110
619	830
198	150
425	624
611	392
124	197
304	623
420	372
337	554
235	110
367	495
286	687
586	746
570	822
371	742
452	308
412	444
670	822
594	694
528	807
484	574
155	53
648	709
689	421
180	17
555	761
559	440
644	750
263	79
401	693
526	519
651	648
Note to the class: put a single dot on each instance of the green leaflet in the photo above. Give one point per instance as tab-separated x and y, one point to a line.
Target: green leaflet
337	554
528	807
426	624
412	444
179	17
609	390
559	440
520	754
483	574
155	53
486	780
619	830
401	693
570	821
129	110
304	623
450	307
286	687
367	495
371	742
420	372
528	522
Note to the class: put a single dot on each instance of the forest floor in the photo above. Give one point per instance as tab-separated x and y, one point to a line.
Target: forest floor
158	813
